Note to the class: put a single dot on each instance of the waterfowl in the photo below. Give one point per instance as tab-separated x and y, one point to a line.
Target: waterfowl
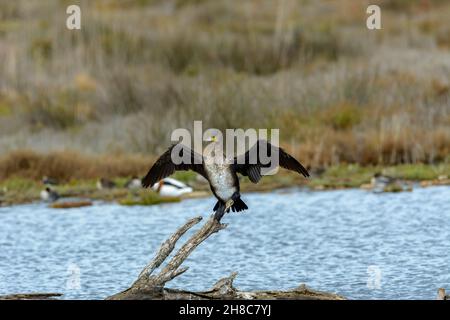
316	171
222	175
104	183
49	195
169	187
380	182
134	183
49	181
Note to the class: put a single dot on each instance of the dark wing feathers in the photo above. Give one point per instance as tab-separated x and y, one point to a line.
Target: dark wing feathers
289	162
164	166
253	171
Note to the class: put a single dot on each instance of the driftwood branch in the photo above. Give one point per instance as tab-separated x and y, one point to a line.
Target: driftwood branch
152	286
167	247
31	296
441	295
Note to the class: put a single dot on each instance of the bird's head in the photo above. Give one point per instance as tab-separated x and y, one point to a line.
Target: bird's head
212	138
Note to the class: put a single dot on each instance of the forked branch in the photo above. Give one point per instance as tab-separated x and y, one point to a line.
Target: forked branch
152	286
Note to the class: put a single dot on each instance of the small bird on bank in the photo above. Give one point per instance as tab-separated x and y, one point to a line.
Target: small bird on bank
316	171
134	183
169	187
104	183
222	175
380	182
49	181
49	195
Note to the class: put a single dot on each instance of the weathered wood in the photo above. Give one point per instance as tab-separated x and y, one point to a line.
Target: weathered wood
167	247
31	296
441	295
152	286
71	204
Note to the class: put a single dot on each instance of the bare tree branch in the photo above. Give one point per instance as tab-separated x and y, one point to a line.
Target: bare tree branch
152	286
168	246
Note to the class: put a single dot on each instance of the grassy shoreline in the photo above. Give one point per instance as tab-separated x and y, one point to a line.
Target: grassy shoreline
19	190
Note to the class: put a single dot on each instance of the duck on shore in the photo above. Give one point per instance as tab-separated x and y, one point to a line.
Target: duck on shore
384	183
104	183
49	181
169	187
316	171
49	195
380	181
134	183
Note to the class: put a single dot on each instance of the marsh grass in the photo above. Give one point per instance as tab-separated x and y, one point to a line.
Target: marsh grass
140	68
69	166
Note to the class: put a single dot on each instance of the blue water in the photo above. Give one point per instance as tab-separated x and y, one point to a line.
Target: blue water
352	242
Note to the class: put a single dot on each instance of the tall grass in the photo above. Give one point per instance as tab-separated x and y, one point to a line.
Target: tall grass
67	166
140	68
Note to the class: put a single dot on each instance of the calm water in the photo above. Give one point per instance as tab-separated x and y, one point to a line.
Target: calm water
352	242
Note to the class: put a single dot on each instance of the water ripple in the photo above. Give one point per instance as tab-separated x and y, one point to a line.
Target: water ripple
337	241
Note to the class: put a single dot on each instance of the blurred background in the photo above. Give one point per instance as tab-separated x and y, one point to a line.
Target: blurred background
138	69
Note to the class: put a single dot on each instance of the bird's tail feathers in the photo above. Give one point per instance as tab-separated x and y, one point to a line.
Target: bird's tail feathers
239	205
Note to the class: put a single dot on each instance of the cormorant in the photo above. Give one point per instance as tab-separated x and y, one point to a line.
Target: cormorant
222	175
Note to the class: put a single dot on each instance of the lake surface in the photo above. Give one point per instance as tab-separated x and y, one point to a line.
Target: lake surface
352	242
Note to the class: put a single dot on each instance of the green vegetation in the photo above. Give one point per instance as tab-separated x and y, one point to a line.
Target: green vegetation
185	176
344	176
147	199
18	184
419	172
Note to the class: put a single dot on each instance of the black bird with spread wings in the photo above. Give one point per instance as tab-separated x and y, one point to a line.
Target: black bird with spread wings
222	175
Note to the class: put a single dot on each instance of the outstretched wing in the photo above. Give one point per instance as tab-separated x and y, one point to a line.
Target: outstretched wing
250	163
164	166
